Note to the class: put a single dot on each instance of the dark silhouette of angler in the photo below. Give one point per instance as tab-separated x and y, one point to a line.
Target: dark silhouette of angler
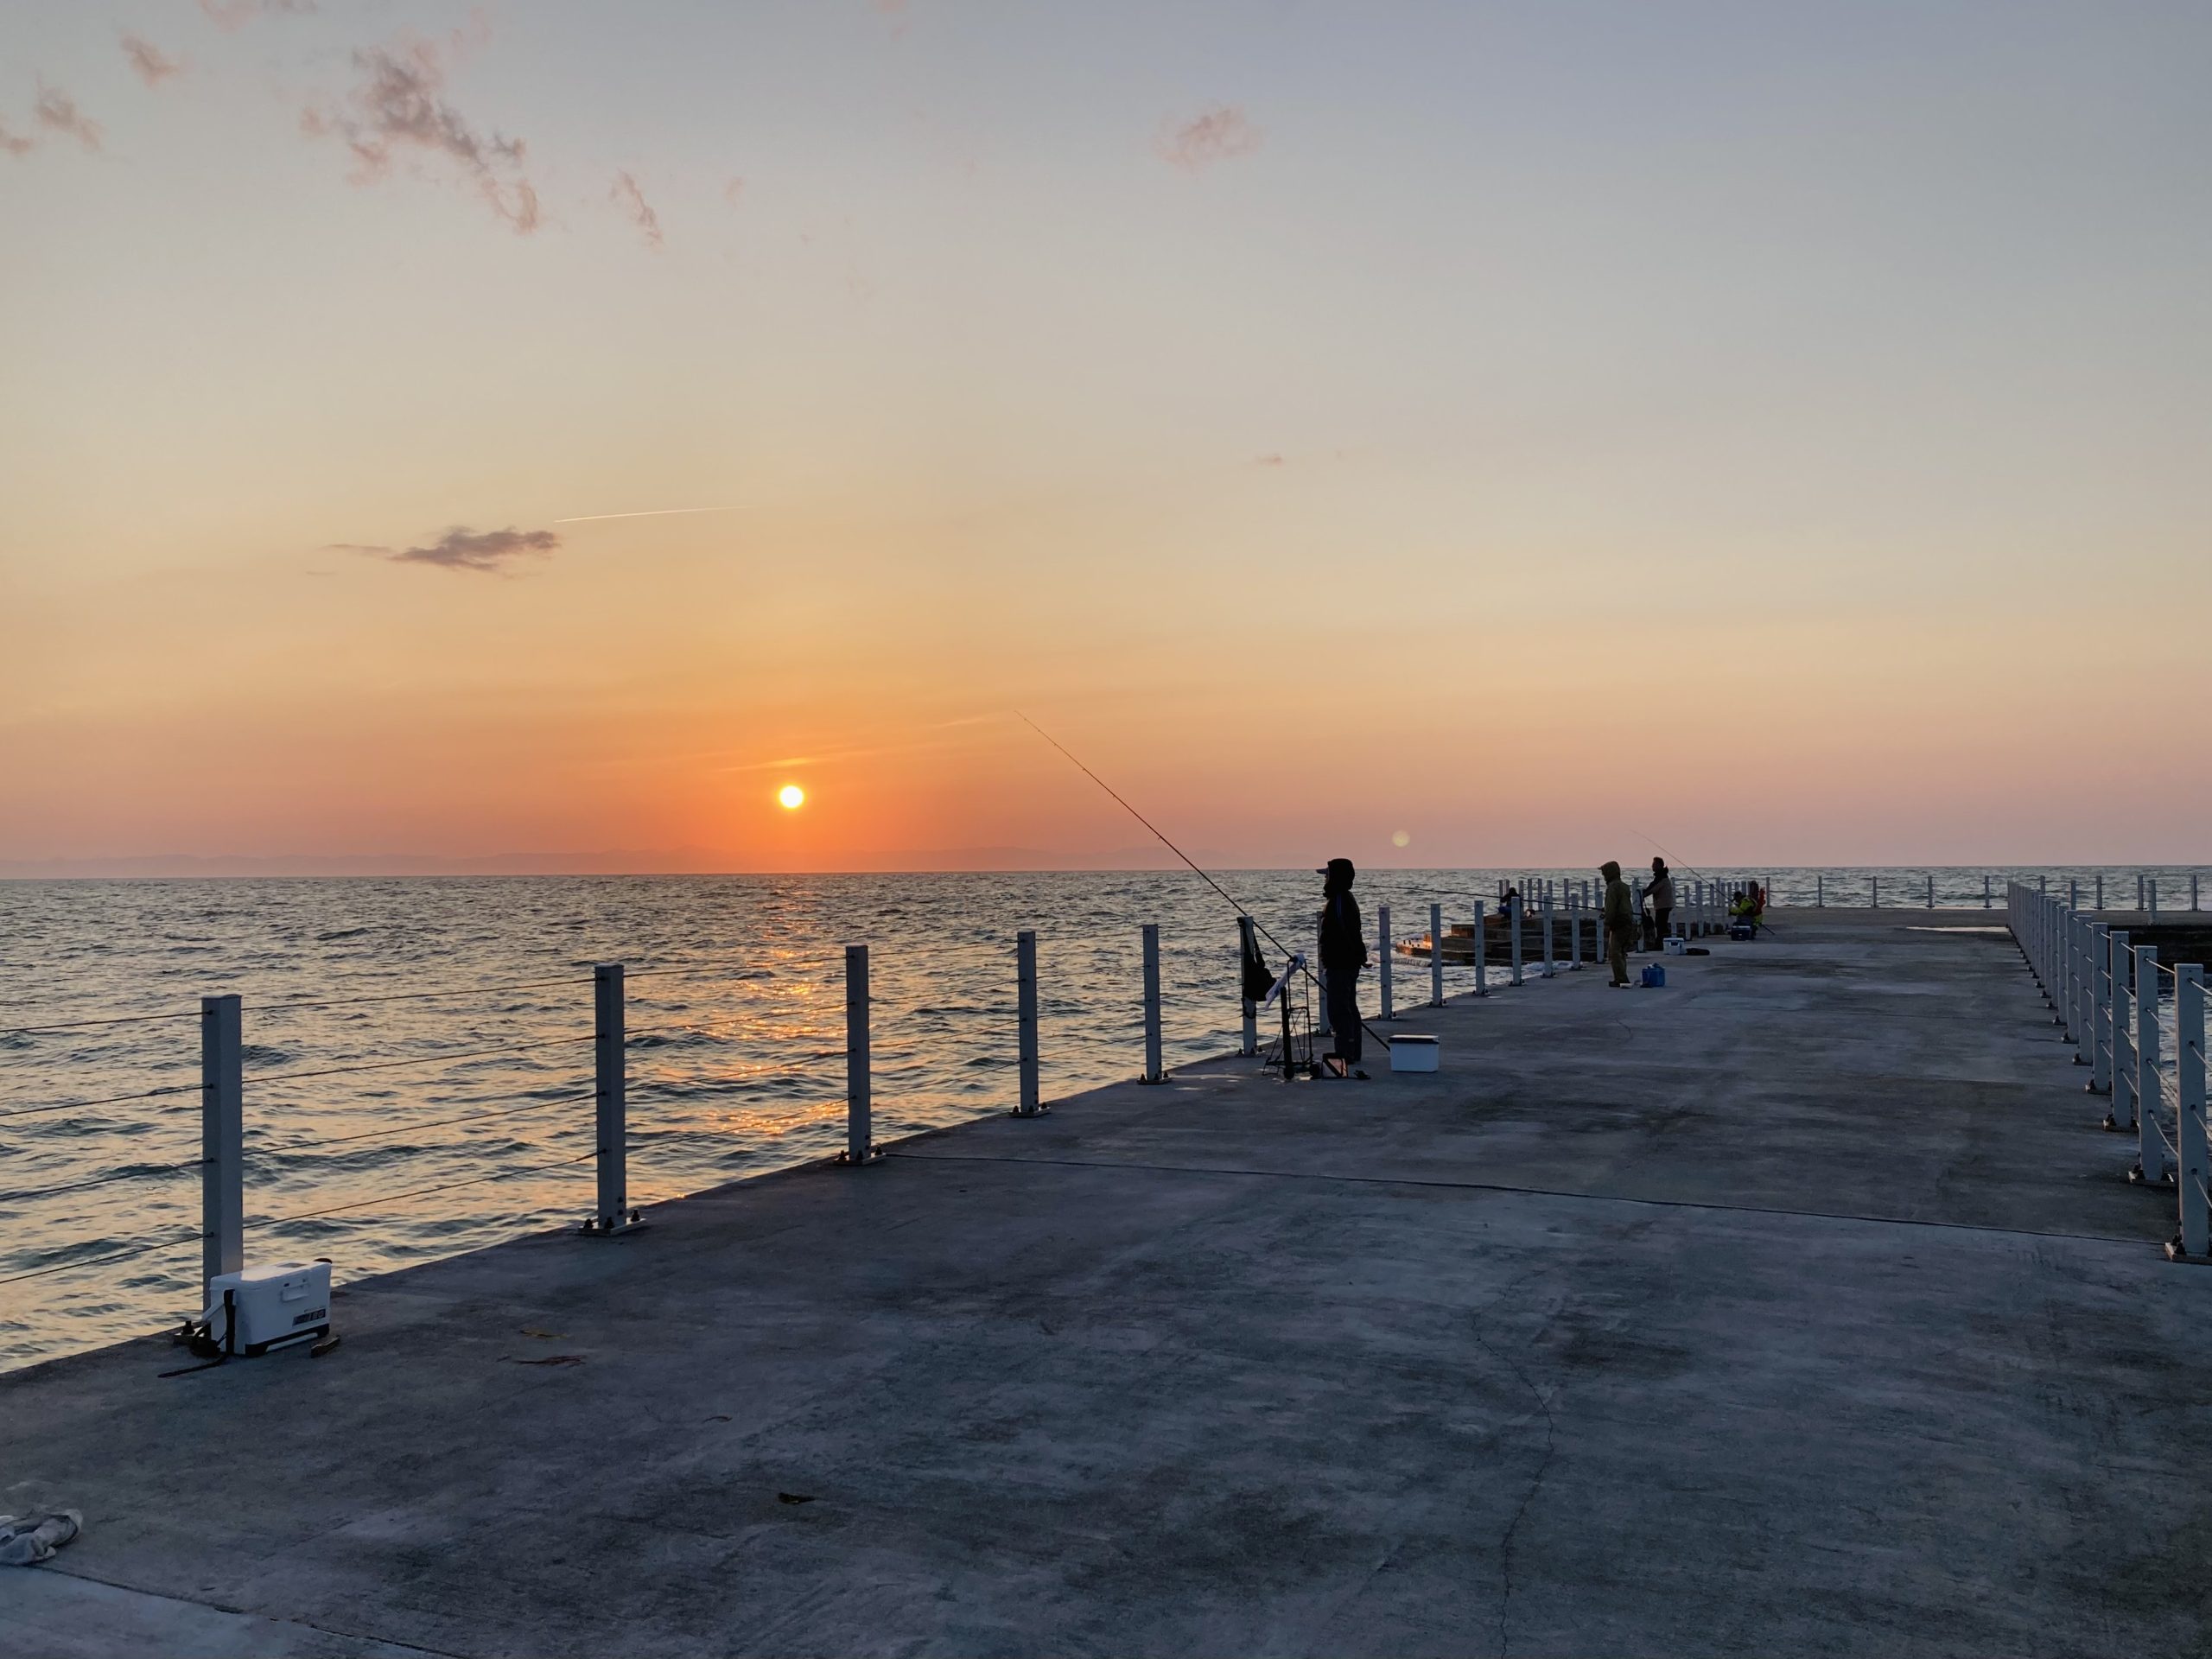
1266	980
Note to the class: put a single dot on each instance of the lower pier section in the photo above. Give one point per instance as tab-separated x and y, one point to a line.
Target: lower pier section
1799	1304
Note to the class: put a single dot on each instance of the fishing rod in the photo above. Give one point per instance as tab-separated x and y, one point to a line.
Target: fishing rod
1234	903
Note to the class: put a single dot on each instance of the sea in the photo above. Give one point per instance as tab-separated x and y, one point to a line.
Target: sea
418	1052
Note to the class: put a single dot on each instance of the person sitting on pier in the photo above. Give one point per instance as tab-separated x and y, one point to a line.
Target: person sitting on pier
1620	920
1343	953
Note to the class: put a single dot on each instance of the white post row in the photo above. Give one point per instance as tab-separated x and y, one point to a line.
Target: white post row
1025	970
222	1140
2195	1156
860	1083
1154	1068
1382	960
1436	956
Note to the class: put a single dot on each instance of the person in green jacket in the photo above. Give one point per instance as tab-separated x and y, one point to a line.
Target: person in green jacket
1620	920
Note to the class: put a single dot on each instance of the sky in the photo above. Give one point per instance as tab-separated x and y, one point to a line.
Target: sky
530	436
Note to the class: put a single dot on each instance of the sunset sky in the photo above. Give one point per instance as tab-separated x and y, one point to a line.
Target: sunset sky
1781	429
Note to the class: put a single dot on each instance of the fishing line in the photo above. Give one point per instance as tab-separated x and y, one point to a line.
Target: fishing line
1260	926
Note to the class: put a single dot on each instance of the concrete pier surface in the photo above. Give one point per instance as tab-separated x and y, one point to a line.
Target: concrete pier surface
1798	1307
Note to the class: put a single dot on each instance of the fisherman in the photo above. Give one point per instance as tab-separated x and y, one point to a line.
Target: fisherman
1620	917
1343	953
1658	904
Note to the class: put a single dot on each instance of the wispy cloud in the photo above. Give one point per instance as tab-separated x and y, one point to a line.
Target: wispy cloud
398	109
463	549
734	189
230	16
57	111
154	66
1219	134
625	194
15	144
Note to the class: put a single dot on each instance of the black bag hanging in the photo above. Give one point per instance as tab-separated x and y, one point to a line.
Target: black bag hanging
1259	978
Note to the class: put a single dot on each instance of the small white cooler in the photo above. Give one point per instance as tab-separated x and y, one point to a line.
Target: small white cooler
276	1304
1413	1054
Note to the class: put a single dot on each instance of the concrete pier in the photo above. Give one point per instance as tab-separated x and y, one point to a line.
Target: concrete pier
1800	1305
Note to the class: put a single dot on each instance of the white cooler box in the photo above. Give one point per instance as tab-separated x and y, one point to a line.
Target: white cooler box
1677	945
1413	1053
274	1304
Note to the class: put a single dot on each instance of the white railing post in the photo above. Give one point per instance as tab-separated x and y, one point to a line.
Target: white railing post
1544	916
2189	1075
1985	890
1513	908
2192	889
1025	974
610	1053
1874	897
1154	1068
860	1083
1482	952
2073	895
2150	1097
2099	1009
1931	893
2069	976
1574	908
222	1138
2152	886
1436	956
2101	890
1820	891
1247	943
1321	1026
1382	959
2138	890
2122	1116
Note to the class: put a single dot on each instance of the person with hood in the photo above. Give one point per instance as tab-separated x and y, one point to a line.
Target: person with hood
1659	901
1343	953
1620	917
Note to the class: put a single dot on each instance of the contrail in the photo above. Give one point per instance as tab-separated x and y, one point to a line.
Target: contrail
652	512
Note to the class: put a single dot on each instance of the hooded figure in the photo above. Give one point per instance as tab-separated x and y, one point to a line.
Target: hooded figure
1659	900
1343	953
1620	919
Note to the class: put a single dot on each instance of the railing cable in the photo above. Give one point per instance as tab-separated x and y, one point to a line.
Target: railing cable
104	1180
434	1124
105	1100
441	1187
453	1057
102	1261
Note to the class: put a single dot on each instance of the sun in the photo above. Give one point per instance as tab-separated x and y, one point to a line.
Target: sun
790	796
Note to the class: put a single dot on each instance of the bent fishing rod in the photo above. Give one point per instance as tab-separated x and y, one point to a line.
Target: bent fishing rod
1234	903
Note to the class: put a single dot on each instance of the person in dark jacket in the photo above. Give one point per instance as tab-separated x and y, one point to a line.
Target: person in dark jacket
1620	920
1658	904
1343	953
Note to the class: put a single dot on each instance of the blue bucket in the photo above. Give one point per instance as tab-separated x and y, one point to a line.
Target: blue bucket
1655	976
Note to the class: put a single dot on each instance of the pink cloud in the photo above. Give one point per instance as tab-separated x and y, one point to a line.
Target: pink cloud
1219	134
15	143
625	194
154	66
398	109
58	112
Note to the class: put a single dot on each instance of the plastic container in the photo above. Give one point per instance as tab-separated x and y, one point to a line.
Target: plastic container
1413	1053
